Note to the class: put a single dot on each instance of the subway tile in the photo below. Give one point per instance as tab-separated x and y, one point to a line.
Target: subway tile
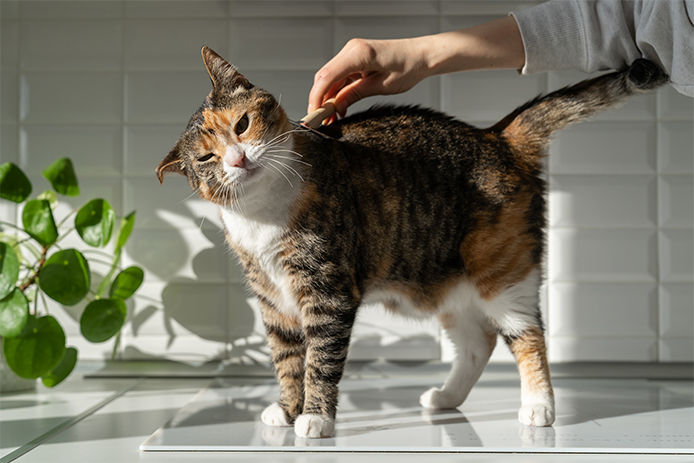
158	9
270	9
9	99
605	148
244	318
677	255
147	145
93	45
386	8
672	105
635	108
200	255
621	255
108	188
602	201
676	200
289	87
603	309
71	9
159	45
280	43
9	41
94	150
165	97
677	309
676	147
487	95
181	306
168	206
676	349
391	27
602	349
71	97
9	143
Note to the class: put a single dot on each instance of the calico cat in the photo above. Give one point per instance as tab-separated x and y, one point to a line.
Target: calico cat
407	207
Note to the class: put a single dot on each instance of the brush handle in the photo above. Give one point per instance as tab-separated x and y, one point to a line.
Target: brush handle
316	117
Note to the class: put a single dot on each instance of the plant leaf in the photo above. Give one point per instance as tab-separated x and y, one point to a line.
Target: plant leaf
9	269
94	222
62	176
38	349
65	277
64	368
102	318
50	196
38	222
14	184
126	282
14	313
126	227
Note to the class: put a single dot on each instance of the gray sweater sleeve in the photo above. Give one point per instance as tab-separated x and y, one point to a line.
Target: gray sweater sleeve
593	35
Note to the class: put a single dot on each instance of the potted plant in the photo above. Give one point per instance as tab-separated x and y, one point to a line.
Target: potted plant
33	266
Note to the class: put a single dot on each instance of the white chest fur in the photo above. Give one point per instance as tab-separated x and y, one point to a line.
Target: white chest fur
258	227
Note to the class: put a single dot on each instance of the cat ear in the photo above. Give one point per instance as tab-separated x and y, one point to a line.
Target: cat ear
222	73
171	163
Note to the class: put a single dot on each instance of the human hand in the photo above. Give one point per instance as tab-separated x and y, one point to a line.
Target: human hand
368	67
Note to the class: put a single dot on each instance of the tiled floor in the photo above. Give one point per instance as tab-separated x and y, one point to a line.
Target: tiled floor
106	420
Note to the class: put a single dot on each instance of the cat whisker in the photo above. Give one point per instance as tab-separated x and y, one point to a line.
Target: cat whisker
289	168
285	150
272	154
281	173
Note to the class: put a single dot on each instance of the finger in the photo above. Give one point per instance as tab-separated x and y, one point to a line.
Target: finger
347	61
355	91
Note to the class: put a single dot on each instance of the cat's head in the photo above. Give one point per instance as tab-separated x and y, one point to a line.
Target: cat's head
231	138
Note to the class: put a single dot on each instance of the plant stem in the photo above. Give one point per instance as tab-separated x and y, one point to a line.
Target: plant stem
32	279
116	344
65	218
11	225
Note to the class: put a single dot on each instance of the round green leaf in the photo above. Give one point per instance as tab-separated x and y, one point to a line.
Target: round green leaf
102	318
9	269
126	227
14	184
50	196
94	222
37	219
64	368
126	282
62	176
14	312
37	350
65	277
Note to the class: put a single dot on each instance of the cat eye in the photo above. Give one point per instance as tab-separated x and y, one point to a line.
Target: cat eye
241	125
206	157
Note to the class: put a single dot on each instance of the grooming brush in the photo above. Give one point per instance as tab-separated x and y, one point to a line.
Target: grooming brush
313	120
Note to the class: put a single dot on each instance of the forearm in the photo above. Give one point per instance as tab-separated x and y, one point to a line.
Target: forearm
493	45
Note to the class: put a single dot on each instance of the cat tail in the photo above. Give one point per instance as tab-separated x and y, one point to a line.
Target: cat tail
529	127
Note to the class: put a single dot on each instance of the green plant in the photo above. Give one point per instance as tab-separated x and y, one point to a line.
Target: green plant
34	265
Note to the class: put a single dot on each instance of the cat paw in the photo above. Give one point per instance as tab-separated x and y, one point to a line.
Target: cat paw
537	414
314	426
438	399
274	415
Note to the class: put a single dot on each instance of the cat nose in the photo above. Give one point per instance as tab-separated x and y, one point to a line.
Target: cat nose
234	157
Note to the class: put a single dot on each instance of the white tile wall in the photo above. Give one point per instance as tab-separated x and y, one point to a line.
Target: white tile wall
112	83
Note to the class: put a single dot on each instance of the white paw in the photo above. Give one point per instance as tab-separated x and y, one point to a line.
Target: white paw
273	415
537	414
438	399
314	426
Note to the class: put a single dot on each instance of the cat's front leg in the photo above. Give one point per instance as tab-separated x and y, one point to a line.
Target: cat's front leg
287	347
327	321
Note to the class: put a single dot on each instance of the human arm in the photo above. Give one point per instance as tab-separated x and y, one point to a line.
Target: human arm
380	67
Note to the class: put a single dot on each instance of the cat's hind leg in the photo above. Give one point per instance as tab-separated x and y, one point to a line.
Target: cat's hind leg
473	339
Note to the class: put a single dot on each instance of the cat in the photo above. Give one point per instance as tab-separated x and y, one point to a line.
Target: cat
404	206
